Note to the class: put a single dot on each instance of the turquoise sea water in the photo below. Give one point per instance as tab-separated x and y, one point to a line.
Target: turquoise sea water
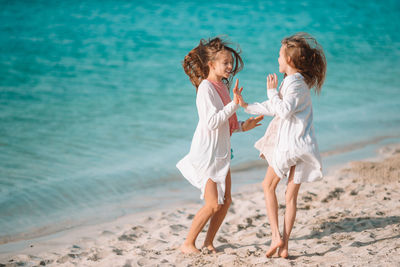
95	109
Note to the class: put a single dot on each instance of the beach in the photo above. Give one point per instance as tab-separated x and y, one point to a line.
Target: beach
96	110
350	218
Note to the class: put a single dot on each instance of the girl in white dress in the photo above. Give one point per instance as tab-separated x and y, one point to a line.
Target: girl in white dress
211	66
289	144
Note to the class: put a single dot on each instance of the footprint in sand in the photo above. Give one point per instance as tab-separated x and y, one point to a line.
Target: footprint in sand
177	227
139	228
258	217
334	194
45	262
97	255
130	237
261	234
222	240
303	207
353	193
249	222
117	251
138	231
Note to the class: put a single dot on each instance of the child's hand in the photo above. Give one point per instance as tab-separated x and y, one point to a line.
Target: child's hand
242	103
251	123
237	93
272	81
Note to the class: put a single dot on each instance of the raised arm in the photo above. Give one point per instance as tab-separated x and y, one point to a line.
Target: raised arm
256	108
285	107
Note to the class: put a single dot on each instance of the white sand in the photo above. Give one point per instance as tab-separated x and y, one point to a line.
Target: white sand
351	218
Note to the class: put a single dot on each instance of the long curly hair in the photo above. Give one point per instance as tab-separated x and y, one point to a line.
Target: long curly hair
196	61
307	57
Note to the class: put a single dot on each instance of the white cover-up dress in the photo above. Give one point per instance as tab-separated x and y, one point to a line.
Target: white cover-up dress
290	139
210	151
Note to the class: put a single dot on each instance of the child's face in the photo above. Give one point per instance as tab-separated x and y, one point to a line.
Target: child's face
283	64
222	64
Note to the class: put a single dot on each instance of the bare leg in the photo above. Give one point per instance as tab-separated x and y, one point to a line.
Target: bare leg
269	185
203	215
219	216
292	191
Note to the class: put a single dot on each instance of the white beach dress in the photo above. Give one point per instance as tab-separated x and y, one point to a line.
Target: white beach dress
290	139
210	152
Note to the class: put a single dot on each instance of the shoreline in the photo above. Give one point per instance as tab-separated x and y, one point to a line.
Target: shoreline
332	159
94	235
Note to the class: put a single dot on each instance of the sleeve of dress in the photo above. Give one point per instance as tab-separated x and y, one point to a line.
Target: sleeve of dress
208	113
264	108
240	129
285	107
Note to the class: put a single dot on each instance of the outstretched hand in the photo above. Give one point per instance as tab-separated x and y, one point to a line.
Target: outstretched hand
237	93
251	123
272	81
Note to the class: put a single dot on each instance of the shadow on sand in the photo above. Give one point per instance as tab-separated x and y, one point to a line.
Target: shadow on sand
346	225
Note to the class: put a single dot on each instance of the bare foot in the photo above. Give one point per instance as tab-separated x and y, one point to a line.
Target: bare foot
274	246
188	249
283	252
210	248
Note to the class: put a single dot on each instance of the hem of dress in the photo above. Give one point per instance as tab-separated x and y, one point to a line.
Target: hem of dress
220	190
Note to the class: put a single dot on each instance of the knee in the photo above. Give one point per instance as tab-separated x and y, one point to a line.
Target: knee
213	207
227	201
267	187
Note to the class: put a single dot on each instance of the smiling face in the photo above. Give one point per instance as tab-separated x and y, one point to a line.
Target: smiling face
221	66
